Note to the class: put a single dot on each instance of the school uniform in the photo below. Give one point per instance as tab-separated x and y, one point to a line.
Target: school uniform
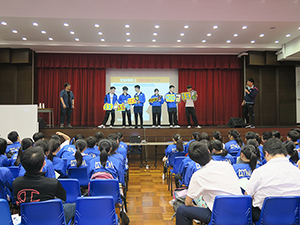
72	163
110	99
171	149
121	159
48	169
123	145
13	148
232	147
13	159
59	166
123	151
242	170
6	179
93	152
4	161
186	147
66	151
248	109
67	96
227	158
156	109
123	99
190	170
138	108
172	111
190	111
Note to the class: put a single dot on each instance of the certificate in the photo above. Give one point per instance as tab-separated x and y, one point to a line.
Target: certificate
107	106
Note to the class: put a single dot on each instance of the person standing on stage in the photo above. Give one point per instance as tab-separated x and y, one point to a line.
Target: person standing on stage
123	98
138	107
172	109
156	108
190	108
249	102
110	98
66	105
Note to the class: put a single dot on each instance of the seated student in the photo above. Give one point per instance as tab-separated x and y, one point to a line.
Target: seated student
106	163
293	136
248	162
204	136
220	154
25	144
260	146
121	150
6	179
234	145
297	130
113	152
292	153
255	144
70	149
214	178
80	158
4	161
11	149
38	136
58	163
276	134
121	137
99	136
35	187
92	150
249	135
216	135
278	177
196	137
66	139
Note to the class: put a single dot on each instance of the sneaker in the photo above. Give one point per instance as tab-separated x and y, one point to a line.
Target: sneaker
198	126
61	126
252	126
189	127
123	127
100	126
158	126
69	126
177	126
248	126
153	126
131	127
110	126
103	126
171	126
163	176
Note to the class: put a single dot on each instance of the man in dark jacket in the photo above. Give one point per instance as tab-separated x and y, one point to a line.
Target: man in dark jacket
249	102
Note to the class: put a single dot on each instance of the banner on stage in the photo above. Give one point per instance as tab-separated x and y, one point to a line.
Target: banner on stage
121	108
170	98
185	95
108	106
131	101
151	100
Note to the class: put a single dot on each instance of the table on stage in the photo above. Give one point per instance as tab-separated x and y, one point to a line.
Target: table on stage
146	144
50	113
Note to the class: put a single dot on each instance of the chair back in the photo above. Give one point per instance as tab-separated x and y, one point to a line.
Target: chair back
105	188
177	162
80	173
5	213
46	213
14	170
172	157
232	210
72	188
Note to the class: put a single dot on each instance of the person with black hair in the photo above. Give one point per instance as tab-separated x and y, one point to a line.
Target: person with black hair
295	129
35	187
276	134
213	179
278	177
138	106
65	138
4	161
204	136
121	150
58	163
172	108
70	149
233	146
25	144
190	108
121	142
99	136
123	99
156	108
249	102
80	158
219	153
38	136
216	135
110	98
294	136
292	153
67	104
113	153
249	135
92	150
11	149
255	144
195	137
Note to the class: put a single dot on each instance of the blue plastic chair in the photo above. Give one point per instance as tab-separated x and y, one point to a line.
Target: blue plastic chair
14	170
172	157
279	210
174	171
80	174
72	188
232	210
95	210
46	213
5	213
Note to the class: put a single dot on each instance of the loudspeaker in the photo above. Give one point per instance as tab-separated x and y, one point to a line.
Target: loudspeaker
236	122
42	123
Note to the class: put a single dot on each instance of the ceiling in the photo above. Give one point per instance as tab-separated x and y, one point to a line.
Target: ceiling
273	18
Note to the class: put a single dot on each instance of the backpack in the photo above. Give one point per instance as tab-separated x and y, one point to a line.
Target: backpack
178	198
100	175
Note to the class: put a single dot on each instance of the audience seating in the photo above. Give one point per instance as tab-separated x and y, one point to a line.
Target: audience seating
171	160
174	171
14	170
80	174
72	188
5	213
232	210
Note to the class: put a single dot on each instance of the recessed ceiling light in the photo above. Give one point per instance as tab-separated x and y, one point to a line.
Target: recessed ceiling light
208	35
24	38
178	40
128	40
186	26
127	25
261	35
50	39
156	26
14	31
97	25
298	27
181	34
252	42
127	33
155	34
102	39
35	24
100	33
203	41
276	42
228	41
244	27
153	40
43	32
72	32
4	23
76	39
215	27
288	35
235	35
66	24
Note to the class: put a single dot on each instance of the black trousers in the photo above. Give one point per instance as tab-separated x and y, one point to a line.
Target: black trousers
136	115
156	115
248	110
112	121
128	113
173	116
255	213
190	111
65	112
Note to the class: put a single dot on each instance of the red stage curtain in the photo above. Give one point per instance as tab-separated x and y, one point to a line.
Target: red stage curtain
88	86
219	94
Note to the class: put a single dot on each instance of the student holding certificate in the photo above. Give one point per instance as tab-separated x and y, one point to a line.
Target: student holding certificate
172	107
156	102
190	107
123	99
138	106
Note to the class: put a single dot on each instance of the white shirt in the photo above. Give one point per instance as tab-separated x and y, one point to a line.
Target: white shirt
111	97
215	178
276	178
66	142
190	102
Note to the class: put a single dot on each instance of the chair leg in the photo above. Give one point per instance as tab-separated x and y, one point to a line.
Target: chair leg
171	185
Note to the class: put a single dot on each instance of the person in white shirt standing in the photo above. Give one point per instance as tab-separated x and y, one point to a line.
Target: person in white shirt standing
214	178
278	177
190	108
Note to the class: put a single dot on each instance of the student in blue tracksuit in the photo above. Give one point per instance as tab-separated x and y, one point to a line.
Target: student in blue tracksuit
122	144
110	98
79	159
4	161
70	149
220	154
106	163
156	108
123	98
249	102
249	162
172	109
59	164
16	158
292	153
13	148
6	179
234	145
92	149
196	137
190	170
138	107
120	150
293	136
